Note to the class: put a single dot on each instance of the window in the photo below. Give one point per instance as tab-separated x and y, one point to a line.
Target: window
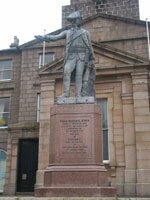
38	108
48	58
2	169
5	69
103	106
4	112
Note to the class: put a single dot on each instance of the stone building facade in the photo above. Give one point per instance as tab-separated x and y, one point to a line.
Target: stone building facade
124	8
122	90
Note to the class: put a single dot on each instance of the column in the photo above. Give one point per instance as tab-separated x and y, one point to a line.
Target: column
129	145
142	129
47	100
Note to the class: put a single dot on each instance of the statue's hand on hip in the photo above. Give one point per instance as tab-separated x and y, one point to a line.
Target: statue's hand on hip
91	64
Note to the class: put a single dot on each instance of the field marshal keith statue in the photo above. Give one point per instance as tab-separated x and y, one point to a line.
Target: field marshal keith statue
79	56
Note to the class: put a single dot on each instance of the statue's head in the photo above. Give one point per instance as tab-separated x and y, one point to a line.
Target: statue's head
75	18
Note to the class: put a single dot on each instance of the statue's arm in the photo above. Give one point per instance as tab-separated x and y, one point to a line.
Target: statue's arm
59	36
48	38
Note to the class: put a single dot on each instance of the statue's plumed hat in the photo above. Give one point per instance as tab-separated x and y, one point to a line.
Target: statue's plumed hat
74	15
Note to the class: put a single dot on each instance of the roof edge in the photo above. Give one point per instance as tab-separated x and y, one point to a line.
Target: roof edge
90	18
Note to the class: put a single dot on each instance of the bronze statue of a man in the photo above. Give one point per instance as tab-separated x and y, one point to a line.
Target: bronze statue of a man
79	56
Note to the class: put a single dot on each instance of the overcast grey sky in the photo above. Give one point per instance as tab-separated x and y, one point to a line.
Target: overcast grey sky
26	18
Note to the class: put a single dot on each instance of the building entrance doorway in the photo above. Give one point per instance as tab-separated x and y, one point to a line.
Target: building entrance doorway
27	165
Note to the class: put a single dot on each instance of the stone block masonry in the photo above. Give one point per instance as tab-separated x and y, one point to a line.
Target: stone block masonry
123	8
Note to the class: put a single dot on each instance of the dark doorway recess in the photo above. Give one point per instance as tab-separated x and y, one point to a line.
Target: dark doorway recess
27	164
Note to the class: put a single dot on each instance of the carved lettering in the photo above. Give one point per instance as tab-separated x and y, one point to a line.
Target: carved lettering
74	140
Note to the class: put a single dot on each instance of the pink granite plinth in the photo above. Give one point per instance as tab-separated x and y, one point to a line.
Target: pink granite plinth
76	192
75	162
76	175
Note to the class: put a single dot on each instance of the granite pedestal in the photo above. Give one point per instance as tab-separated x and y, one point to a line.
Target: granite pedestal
75	163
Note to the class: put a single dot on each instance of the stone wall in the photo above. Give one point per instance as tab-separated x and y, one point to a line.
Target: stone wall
129	36
30	85
124	8
134	46
28	92
11	89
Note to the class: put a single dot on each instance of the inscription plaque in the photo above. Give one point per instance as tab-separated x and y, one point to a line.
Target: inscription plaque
74	141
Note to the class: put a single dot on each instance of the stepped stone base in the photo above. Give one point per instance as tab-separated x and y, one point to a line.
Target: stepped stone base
76	192
75	160
76	181
76	176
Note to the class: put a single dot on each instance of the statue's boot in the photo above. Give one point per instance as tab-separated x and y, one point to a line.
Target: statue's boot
78	85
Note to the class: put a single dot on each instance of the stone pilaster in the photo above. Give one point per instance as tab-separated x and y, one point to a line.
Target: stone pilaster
142	127
47	100
129	145
11	166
